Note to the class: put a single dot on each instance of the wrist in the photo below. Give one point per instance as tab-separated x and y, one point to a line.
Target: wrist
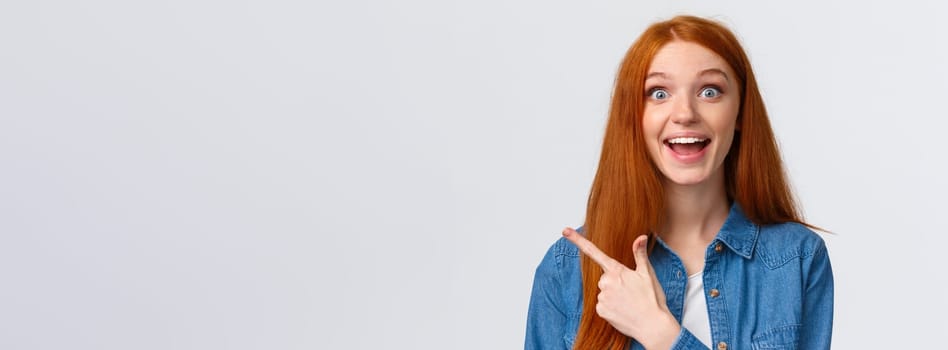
663	335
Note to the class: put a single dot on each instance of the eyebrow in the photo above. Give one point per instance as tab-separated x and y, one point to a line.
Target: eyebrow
713	71
704	72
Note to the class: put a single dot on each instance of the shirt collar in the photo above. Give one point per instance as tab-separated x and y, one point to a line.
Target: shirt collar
738	233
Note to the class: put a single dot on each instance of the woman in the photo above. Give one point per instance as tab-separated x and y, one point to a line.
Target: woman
692	238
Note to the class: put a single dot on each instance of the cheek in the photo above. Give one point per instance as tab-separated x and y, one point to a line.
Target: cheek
727	131
652	123
651	129
721	117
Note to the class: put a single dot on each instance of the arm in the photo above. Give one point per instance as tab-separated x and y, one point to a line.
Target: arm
817	325
546	320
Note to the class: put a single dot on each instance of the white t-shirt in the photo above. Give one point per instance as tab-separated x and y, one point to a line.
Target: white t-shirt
695	317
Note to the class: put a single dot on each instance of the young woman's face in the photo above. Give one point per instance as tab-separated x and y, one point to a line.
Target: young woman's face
691	105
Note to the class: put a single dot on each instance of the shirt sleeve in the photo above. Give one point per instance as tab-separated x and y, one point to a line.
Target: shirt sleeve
546	319
817	326
687	341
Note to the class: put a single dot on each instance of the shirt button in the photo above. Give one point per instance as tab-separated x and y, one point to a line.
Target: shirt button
722	346
714	294
718	247
678	273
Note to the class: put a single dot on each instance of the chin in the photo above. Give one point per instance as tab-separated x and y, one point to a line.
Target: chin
686	182
685	179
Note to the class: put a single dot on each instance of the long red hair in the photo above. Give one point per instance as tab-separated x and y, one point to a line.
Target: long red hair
627	198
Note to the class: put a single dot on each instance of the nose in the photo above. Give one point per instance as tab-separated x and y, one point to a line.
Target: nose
683	112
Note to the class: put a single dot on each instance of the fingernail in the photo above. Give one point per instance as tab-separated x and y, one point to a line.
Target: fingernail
565	231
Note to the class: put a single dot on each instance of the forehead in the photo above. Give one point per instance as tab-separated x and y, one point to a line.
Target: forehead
682	58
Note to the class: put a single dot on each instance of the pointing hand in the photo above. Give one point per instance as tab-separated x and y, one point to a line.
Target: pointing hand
632	301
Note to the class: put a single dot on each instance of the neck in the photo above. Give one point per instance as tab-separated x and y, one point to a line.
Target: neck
695	212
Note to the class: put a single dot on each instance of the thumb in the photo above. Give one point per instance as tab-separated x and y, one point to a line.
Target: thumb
641	253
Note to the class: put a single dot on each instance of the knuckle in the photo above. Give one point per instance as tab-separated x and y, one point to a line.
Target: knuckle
606	281
601	309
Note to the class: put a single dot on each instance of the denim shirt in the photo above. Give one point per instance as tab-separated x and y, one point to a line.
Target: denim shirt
766	287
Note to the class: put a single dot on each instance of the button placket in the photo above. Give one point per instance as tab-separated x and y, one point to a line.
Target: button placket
716	305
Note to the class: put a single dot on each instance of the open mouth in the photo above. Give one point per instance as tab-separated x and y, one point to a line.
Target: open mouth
687	145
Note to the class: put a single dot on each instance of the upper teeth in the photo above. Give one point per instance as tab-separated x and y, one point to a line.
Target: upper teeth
685	140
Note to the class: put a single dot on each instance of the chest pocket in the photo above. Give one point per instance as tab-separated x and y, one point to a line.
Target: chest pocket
783	337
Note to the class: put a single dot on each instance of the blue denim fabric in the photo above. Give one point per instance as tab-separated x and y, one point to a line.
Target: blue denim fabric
775	284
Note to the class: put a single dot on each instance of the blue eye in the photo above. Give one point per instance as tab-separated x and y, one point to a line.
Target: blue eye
658	94
710	92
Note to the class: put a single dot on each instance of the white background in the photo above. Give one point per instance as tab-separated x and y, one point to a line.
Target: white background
366	174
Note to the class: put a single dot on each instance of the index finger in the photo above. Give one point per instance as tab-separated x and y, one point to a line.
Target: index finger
591	250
